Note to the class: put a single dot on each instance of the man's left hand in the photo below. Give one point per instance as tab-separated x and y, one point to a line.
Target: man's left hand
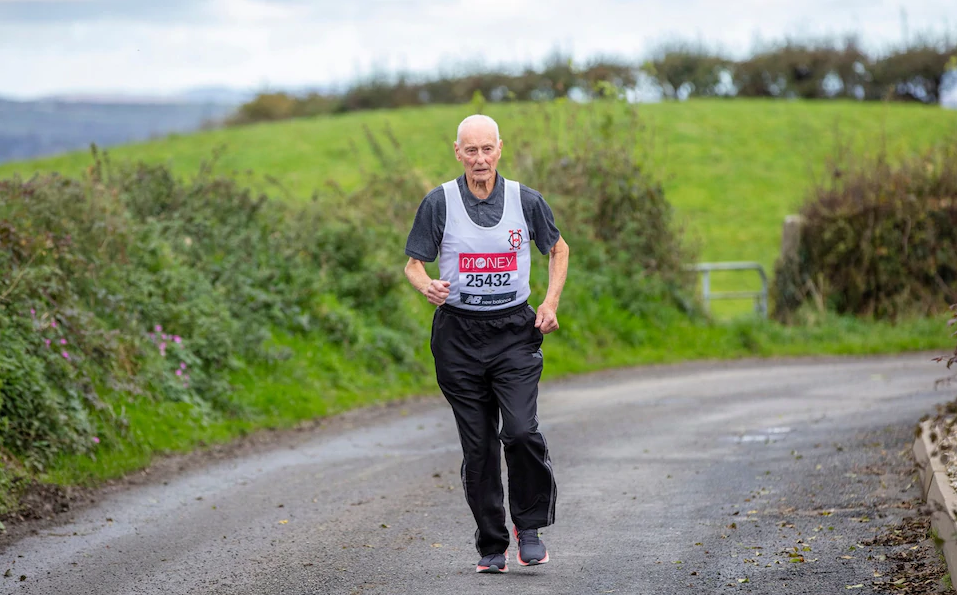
546	320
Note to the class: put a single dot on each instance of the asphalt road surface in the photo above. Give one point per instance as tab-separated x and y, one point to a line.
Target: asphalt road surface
751	477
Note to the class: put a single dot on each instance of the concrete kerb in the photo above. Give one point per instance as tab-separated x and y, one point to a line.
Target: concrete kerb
939	494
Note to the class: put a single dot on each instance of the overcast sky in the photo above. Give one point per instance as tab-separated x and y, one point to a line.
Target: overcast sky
164	46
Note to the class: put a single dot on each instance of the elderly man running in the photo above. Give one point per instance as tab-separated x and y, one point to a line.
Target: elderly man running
486	338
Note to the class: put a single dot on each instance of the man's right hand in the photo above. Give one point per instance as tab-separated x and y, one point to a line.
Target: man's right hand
437	292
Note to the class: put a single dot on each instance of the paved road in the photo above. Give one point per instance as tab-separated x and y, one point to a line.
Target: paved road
696	478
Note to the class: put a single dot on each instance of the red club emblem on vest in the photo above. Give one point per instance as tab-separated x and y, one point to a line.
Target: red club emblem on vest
515	239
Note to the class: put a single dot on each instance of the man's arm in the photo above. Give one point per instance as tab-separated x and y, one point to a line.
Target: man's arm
436	290
546	318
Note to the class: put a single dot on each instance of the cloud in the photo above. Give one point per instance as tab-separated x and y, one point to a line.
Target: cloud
49	46
27	12
195	11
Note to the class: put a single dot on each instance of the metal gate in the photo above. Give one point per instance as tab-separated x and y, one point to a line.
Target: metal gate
760	297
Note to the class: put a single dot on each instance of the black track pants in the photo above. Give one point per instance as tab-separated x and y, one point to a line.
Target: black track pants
489	364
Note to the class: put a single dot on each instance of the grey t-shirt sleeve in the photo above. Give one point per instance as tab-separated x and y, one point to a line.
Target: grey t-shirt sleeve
540	219
427	227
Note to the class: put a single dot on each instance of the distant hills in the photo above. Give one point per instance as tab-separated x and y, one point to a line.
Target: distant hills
36	128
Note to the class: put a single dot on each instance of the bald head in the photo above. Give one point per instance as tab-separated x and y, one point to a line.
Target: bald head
479	148
478	123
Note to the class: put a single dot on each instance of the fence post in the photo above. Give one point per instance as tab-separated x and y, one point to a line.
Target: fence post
791	237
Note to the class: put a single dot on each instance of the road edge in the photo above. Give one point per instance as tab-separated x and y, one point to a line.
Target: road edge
937	491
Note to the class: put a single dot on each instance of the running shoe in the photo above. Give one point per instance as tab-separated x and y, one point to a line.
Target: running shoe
493	564
531	550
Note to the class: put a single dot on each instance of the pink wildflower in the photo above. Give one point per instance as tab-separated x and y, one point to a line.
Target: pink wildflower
96	440
33	312
179	372
62	341
177	339
65	355
159	329
164	336
182	365
47	342
53	323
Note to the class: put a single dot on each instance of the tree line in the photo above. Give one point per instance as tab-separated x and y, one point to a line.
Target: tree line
822	69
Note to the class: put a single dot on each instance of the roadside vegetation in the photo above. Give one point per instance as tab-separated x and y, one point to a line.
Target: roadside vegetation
159	299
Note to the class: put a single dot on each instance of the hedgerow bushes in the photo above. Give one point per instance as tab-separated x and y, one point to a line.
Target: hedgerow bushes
878	240
611	209
133	282
787	68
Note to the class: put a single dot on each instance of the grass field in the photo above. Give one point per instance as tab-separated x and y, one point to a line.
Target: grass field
732	169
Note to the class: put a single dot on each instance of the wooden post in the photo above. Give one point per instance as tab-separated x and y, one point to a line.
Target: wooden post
791	237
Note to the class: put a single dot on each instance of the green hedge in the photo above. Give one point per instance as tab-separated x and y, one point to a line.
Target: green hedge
135	282
877	240
130	284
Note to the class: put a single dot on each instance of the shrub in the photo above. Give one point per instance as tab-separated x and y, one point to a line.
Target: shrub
137	283
685	69
878	240
611	208
810	68
131	283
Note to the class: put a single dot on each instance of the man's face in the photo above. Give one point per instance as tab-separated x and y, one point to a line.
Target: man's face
478	151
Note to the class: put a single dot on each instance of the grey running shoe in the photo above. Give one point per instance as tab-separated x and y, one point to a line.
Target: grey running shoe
493	564
531	550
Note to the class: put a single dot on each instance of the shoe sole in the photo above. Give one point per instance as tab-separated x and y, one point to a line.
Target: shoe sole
493	569
519	554
533	562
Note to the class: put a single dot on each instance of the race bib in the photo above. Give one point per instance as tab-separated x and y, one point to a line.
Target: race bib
488	279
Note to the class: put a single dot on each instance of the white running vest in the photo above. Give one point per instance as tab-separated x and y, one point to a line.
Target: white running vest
487	267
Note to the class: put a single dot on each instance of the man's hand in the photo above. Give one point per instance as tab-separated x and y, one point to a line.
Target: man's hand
437	292
546	319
